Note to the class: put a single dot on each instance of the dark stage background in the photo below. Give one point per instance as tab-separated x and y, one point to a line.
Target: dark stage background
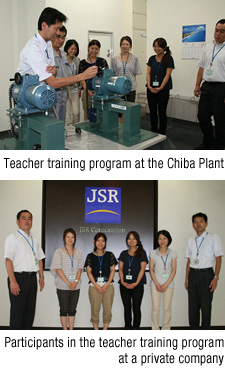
64	207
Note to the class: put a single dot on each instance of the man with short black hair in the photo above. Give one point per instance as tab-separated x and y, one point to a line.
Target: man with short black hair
212	91
202	253
37	55
23	259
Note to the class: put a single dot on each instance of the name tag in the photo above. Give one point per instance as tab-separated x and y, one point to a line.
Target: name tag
128	277
196	261
155	84
72	277
36	261
209	72
165	276
100	280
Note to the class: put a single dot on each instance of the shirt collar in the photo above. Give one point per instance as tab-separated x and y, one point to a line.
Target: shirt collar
43	43
214	42
202	235
167	252
25	234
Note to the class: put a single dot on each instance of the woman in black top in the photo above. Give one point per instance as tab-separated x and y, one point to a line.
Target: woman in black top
101	270
159	83
132	264
92	60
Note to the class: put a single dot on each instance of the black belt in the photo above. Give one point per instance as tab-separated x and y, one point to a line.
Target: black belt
27	272
200	270
214	82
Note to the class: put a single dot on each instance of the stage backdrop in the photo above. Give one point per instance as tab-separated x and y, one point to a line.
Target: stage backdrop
112	207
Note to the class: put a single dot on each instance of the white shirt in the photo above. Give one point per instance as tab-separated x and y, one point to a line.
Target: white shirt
160	262
36	55
218	74
18	250
209	247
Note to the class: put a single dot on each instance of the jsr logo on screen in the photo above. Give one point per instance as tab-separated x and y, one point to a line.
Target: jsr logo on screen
103	205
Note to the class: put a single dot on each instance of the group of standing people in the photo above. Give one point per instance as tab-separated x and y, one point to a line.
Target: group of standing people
159	82
23	258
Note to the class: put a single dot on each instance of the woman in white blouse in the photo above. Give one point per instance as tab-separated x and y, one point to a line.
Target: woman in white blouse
67	266
162	268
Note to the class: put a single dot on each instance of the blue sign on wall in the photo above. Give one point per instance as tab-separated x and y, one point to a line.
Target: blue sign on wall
102	205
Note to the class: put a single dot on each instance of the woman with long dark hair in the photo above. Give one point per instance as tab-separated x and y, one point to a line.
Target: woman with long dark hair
159	84
100	266
67	265
132	264
162	268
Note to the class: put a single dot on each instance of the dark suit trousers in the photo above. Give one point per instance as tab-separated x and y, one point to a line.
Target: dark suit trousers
23	305
200	298
212	103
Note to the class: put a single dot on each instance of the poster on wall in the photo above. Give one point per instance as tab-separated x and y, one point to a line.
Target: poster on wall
193	41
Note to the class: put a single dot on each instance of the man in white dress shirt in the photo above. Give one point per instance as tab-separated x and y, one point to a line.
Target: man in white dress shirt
212	91
37	55
23	259
203	252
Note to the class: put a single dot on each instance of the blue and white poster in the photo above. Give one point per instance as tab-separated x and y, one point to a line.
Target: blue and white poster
193	41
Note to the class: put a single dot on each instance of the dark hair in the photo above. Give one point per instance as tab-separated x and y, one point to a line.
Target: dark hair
96	237
67	231
140	249
126	38
222	21
94	42
63	29
166	234
50	16
23	211
69	43
163	44
200	214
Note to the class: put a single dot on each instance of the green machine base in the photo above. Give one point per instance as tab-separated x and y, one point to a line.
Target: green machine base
129	133
36	130
116	136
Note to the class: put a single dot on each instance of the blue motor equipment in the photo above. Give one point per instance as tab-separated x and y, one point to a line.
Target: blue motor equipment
32	97
29	119
107	104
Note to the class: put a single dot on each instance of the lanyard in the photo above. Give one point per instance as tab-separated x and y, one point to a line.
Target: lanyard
130	260
93	64
198	247
32	246
125	64
100	262
213	53
72	68
71	258
164	262
46	50
157	66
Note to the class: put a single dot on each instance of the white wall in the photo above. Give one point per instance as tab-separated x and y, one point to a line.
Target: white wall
178	200
165	18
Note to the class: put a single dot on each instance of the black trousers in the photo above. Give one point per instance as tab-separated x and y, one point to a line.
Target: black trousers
157	105
22	308
212	103
132	299
200	298
68	301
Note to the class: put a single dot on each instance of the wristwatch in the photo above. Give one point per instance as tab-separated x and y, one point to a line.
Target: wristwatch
216	277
